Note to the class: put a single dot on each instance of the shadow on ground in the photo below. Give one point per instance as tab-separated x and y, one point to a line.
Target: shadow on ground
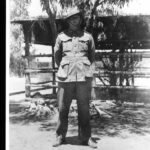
124	120
74	140
19	115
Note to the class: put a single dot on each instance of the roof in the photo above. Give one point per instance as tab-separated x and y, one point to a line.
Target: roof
22	20
117	29
32	19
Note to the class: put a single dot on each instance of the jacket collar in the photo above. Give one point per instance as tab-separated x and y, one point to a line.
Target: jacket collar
72	33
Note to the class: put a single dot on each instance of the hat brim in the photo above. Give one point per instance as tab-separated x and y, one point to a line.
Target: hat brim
68	17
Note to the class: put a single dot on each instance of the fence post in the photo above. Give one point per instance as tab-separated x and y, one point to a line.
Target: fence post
27	75
27	39
54	75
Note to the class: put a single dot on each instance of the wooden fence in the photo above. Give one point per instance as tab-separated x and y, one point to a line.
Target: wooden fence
136	30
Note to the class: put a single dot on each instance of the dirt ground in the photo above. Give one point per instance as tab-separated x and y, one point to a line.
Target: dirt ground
125	131
112	133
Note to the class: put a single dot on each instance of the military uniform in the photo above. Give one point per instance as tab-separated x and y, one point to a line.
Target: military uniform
74	55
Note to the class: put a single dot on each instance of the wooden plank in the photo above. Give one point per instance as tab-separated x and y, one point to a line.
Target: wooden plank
43	68
102	112
129	44
117	54
121	87
124	56
51	100
40	70
41	82
40	55
141	68
125	53
21	92
107	76
42	85
122	72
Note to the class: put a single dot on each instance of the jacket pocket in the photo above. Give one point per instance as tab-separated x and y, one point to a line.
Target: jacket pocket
83	43
67	44
87	68
63	69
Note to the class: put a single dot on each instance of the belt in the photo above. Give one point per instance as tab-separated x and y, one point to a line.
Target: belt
68	58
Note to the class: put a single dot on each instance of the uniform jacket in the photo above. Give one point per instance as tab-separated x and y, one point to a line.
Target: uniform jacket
74	55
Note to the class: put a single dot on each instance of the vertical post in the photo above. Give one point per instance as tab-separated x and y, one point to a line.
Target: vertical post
54	75
132	65
27	75
27	39
27	88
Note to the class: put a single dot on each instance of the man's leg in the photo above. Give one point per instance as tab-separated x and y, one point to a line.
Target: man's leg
64	97
83	96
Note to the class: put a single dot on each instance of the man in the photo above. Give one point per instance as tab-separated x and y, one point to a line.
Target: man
74	54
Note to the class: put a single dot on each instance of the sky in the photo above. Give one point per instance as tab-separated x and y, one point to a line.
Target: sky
35	9
135	7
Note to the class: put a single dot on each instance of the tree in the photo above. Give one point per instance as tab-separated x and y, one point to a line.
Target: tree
121	32
18	9
88	7
90	10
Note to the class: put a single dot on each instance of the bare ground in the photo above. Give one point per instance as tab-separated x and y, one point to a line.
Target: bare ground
124	131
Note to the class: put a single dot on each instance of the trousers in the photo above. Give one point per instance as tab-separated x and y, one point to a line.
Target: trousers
81	91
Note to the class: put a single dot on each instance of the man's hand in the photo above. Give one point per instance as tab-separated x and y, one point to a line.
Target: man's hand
93	94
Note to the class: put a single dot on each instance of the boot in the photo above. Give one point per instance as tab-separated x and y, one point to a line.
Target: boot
59	141
90	143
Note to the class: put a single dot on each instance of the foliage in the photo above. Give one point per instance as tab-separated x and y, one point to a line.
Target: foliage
18	9
17	63
88	7
91	11
121	61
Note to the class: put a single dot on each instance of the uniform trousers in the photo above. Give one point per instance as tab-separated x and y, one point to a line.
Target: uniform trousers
81	91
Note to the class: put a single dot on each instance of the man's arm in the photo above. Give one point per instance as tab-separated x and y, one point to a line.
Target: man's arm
91	50
58	51
92	60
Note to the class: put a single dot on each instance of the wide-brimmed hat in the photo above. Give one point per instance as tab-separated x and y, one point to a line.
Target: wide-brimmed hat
71	12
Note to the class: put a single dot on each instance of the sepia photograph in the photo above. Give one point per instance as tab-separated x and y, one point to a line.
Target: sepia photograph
77	74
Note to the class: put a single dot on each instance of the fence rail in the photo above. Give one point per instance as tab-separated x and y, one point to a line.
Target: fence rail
134	72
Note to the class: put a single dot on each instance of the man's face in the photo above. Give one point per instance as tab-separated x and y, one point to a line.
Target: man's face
74	20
